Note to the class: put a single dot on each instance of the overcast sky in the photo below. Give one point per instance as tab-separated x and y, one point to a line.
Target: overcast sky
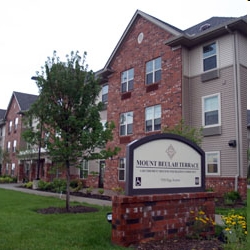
30	30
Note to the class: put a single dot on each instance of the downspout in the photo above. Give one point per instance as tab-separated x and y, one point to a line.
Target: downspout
237	101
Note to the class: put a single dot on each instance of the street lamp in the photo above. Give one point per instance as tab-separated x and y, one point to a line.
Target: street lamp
40	142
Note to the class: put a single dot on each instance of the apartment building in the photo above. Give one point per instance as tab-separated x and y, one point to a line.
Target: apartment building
158	74
2	135
21	160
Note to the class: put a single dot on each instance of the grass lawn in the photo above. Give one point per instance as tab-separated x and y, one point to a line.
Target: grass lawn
22	228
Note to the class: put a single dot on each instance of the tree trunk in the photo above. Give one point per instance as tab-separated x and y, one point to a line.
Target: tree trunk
68	185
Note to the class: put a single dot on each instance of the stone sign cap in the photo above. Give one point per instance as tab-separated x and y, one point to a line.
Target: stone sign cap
164	163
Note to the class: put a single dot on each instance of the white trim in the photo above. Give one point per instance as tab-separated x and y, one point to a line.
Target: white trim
218	162
219	110
217	55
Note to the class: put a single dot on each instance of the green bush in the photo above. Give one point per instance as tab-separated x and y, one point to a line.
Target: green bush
7	179
231	197
59	185
28	184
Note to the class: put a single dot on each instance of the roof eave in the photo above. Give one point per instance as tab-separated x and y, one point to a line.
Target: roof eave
190	41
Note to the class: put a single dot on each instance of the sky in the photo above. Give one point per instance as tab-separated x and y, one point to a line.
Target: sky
30	30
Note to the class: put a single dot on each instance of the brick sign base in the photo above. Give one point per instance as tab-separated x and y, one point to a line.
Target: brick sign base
155	217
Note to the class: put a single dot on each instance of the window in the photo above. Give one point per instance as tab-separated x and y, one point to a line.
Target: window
211	110
153	71
8	146
10	126
84	169
104	122
153	118
126	123
105	90
121	169
213	163
13	166
14	146
27	170
209	57
127	80
16	123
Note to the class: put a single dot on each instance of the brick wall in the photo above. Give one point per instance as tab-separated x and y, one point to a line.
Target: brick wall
154	217
12	135
166	92
221	185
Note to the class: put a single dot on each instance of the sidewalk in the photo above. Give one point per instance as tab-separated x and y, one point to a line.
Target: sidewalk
16	187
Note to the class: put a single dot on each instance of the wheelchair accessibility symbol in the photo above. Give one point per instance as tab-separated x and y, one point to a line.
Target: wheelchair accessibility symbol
138	181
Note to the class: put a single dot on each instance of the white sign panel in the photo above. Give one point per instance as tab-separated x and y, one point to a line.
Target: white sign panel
166	164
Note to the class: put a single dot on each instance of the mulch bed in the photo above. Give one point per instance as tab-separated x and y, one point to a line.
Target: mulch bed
181	244
61	210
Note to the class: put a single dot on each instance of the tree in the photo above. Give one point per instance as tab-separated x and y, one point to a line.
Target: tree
193	134
68	111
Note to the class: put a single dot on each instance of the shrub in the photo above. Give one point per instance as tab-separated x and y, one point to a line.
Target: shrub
59	185
231	197
101	191
28	184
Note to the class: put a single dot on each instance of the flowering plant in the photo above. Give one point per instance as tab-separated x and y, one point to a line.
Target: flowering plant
235	228
202	223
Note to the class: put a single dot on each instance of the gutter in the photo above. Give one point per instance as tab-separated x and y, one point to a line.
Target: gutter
237	106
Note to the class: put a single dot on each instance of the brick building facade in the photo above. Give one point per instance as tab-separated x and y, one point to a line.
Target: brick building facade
158	75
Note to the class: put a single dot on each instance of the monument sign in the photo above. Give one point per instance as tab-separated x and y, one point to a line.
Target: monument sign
164	163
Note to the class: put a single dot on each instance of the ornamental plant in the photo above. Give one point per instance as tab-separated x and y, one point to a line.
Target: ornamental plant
202	223
235	230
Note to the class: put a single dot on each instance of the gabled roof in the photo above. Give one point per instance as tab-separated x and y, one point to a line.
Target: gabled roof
165	26
24	101
209	29
2	114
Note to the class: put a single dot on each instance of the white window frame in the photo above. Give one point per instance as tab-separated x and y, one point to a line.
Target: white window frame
153	118
14	146
16	123
127	80
204	98
8	146
13	166
10	126
153	71
204	57
207	154
122	168
85	169
126	120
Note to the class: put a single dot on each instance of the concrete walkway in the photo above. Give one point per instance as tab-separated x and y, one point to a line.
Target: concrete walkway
16	187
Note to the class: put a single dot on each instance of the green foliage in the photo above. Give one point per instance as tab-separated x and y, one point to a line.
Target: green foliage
68	113
101	191
235	230
28	184
7	179
231	197
192	134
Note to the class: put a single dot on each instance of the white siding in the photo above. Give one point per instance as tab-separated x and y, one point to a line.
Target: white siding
224	55
242	42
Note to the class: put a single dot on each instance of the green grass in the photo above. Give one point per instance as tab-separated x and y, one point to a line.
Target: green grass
22	228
